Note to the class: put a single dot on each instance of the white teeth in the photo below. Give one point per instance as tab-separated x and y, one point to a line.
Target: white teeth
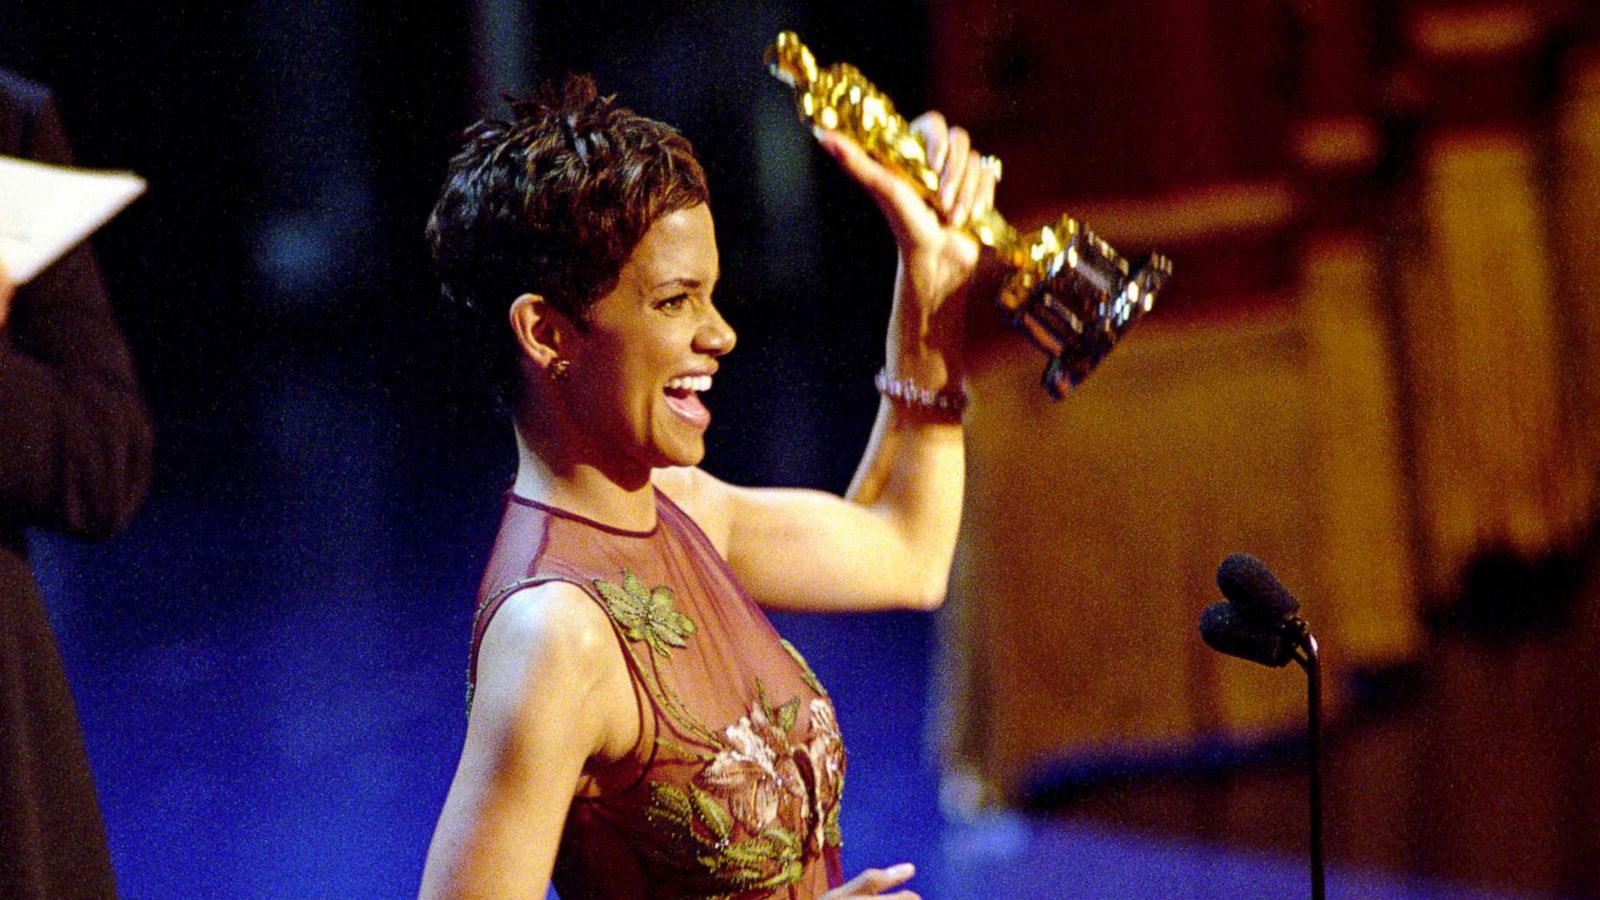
690	383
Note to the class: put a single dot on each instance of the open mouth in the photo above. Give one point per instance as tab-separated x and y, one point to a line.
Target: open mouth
683	398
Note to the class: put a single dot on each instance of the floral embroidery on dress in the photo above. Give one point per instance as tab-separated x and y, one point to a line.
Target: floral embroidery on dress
694	826
758	771
767	797
646	614
826	751
782	792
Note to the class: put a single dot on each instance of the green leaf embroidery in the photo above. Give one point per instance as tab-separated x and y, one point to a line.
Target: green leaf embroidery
683	752
671	803
787	713
769	860
711	813
830	830
791	872
785	840
761	698
752	852
806	675
646	614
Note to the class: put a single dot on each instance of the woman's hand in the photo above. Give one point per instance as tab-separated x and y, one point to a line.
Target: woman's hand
937	255
873	883
938	258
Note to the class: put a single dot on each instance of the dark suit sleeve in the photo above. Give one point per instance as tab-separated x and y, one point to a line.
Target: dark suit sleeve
75	438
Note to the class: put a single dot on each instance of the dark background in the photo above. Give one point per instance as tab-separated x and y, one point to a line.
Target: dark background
294	150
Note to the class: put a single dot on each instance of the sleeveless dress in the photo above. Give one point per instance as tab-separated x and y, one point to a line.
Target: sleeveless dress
733	790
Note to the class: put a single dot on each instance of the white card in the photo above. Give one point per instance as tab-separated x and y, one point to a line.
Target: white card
47	210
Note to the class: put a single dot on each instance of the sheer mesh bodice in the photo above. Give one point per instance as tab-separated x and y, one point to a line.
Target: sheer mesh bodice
734	788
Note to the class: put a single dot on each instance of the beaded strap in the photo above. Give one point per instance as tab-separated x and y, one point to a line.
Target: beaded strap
908	393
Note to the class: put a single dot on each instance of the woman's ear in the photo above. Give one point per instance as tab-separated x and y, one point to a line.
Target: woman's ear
541	330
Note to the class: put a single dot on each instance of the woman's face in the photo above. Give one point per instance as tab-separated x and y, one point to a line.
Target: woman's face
651	349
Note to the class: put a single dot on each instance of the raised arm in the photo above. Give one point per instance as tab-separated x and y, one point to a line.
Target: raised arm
75	439
889	542
552	694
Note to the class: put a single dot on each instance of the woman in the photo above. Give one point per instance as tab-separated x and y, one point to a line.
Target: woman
636	727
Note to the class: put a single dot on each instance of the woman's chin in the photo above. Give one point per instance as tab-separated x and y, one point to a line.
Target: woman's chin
680	442
685	455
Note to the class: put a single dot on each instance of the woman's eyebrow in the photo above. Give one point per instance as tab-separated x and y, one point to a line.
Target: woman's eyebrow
691	283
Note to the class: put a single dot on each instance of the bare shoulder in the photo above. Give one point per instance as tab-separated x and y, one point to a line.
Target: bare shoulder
550	654
555	622
708	500
553	695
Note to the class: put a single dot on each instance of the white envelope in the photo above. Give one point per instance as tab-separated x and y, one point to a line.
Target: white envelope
47	210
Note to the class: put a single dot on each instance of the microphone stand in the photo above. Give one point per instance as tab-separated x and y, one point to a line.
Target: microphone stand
1305	654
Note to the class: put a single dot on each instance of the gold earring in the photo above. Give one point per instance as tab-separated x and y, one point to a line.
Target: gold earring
558	370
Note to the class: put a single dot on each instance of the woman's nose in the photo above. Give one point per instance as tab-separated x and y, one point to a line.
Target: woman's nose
715	336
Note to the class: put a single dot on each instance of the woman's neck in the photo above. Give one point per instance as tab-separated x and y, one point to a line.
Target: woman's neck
550	476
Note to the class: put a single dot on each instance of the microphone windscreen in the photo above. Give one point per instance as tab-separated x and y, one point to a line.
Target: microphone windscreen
1225	632
1258	595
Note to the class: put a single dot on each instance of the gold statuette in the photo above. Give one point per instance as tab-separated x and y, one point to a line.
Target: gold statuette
1068	290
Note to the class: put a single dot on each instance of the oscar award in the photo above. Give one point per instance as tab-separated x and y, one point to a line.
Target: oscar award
1067	290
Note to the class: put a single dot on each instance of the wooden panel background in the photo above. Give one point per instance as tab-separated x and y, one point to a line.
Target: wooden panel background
1371	368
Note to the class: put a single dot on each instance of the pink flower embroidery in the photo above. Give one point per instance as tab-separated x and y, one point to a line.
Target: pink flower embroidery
770	780
826	753
759	773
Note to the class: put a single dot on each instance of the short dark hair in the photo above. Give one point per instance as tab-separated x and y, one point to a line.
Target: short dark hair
551	202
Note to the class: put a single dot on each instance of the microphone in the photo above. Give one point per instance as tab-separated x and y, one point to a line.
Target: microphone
1226	631
1260	598
1259	622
